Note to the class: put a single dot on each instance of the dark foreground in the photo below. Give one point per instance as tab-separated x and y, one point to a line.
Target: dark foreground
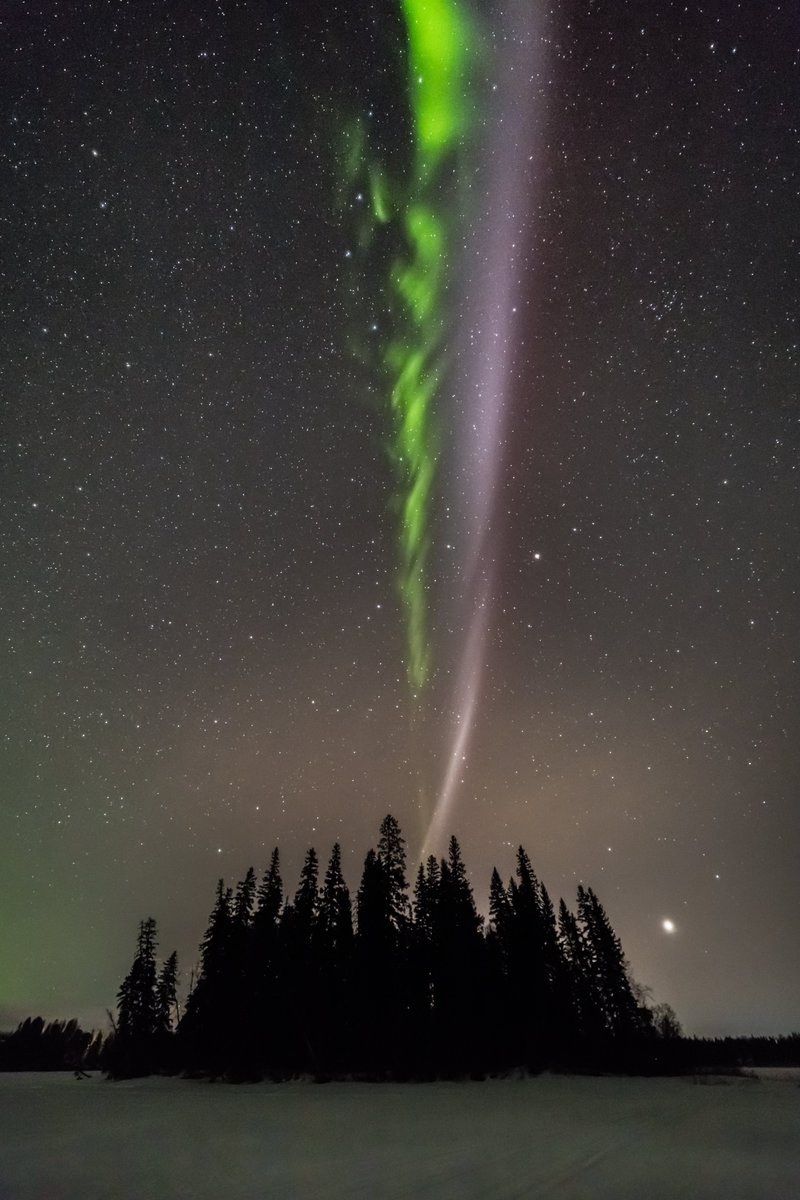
554	1136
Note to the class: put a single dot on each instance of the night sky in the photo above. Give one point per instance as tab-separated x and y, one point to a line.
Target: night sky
225	623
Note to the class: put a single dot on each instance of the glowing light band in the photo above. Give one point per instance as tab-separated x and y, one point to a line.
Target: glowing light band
493	290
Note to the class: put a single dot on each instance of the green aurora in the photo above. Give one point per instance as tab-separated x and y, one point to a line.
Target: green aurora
440	48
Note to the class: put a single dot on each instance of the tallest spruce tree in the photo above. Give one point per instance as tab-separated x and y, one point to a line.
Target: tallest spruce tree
382	955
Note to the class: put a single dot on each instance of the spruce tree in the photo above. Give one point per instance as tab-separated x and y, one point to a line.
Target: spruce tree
500	916
334	944
501	1034
459	899
267	1001
134	1048
167	995
335	916
422	954
239	951
215	946
426	897
620	1011
205	1029
532	1001
166	1049
306	904
137	994
582	999
270	893
372	908
299	969
392	857
458	969
383	947
551	952
238	985
245	898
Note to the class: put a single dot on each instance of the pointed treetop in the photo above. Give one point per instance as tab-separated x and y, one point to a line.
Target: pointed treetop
245	898
270	892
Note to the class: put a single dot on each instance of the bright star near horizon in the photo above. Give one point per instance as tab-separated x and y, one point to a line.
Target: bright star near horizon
667	925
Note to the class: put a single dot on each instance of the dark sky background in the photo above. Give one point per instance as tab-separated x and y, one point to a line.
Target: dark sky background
203	651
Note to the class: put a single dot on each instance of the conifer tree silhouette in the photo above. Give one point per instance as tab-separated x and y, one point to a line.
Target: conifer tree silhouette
270	893
299	974
392	858
582	1002
266	1001
137	1017
413	991
609	969
384	985
167	1010
335	918
206	1023
531	1001
458	975
334	946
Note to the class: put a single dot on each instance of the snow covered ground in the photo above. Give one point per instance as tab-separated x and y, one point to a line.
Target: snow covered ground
559	1137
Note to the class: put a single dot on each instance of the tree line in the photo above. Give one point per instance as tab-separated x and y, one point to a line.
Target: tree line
405	982
36	1045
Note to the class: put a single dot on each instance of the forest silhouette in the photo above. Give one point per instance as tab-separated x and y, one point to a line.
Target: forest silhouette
407	983
403	983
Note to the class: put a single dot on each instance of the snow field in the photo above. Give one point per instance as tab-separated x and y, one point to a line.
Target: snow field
569	1138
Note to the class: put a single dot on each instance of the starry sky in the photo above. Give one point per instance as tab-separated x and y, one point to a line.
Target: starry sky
206	638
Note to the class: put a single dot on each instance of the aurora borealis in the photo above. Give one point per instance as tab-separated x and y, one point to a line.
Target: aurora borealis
399	414
441	43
